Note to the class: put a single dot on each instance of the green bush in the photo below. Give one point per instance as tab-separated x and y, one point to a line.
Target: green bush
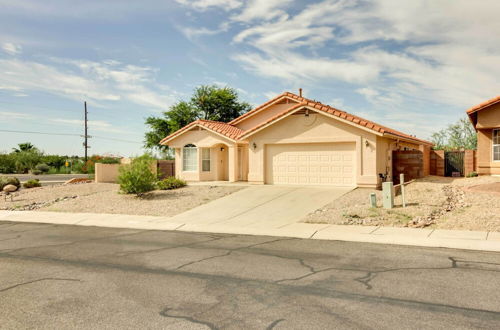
7	164
137	177
472	175
109	160
171	183
44	168
36	172
32	183
54	161
6	180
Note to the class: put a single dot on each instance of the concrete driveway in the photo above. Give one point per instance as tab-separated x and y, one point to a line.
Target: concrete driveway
262	206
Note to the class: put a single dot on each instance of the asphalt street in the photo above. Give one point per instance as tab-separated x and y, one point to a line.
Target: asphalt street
60	277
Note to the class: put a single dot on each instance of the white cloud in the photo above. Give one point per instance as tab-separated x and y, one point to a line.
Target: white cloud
440	52
11	49
6	116
79	80
207	4
93	125
262	10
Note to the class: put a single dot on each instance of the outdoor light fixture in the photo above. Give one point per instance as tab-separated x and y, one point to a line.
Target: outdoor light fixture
221	148
254	146
367	143
307	112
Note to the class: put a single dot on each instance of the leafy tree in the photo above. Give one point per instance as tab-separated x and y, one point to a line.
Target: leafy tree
27	146
460	135
207	102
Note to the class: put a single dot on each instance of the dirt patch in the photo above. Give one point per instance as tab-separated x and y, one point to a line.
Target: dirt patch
434	202
104	198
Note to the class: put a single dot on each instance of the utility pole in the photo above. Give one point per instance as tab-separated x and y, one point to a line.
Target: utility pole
86	136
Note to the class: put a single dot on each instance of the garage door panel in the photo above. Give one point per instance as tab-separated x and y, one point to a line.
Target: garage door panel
311	164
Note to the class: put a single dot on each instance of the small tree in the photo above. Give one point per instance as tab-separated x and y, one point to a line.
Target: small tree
460	135
137	177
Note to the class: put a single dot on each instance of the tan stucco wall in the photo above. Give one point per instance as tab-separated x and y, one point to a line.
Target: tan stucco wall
263	115
222	161
489	118
109	172
219	167
316	128
106	172
485	163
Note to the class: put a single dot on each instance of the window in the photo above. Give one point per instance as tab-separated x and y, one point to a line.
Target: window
496	145
205	159
190	158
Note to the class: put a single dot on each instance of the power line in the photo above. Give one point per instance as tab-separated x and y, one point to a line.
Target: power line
67	134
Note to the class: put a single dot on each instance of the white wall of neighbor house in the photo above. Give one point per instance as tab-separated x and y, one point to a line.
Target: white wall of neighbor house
313	129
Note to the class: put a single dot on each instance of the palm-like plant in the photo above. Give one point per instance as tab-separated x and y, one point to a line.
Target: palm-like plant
27	146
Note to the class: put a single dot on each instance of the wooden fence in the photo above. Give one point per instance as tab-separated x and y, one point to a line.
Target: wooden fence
166	168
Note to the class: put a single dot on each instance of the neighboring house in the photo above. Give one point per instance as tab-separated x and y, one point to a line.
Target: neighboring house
486	119
291	140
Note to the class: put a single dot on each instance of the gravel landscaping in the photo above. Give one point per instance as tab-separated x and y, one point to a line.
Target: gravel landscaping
432	202
104	198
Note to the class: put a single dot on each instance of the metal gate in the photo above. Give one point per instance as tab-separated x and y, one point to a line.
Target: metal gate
454	163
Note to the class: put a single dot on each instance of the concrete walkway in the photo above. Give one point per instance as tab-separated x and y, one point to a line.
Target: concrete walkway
471	240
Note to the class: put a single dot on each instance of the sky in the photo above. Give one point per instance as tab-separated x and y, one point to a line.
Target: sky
415	66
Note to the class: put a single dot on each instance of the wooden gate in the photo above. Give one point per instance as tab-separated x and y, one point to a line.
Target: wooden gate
408	162
454	163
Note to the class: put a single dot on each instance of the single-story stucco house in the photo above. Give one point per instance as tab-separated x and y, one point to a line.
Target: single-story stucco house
486	120
291	140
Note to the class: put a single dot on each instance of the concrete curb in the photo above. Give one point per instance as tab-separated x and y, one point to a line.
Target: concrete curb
455	239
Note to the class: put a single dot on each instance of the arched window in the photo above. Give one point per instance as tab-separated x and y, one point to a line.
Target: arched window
190	158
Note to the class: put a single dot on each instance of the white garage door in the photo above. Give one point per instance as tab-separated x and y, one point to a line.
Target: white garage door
311	164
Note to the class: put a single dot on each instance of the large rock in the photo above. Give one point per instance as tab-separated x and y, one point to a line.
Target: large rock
10	188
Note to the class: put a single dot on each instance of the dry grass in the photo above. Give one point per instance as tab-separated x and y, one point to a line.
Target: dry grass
479	210
104	198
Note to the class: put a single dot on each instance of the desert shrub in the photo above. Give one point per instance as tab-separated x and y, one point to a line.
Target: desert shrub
6	180
7	163
472	175
44	168
137	177
32	183
171	183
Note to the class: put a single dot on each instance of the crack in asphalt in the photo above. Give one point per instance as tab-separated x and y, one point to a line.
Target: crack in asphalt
297	289
74	242
165	311
40	280
125	254
274	323
8	239
230	251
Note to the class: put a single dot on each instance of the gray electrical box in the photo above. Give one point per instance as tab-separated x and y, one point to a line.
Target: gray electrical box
388	195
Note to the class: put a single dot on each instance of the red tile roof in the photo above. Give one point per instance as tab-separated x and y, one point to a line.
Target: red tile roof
339	113
234	133
229	131
483	105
